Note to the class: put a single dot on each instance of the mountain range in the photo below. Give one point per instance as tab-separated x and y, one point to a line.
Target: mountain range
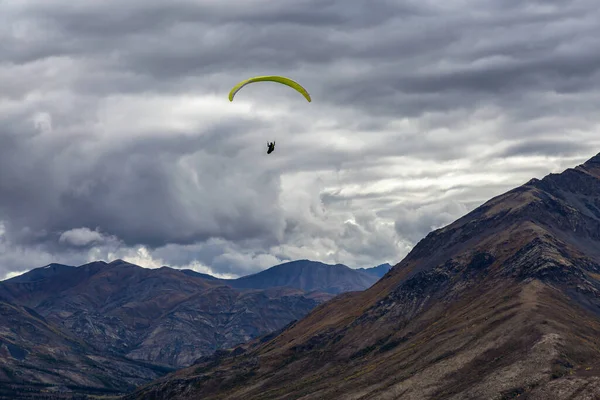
500	304
108	327
306	275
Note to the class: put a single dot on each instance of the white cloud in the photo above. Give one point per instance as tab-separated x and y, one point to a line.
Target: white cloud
81	237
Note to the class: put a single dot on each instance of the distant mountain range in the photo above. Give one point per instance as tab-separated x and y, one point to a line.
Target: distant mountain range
503	303
308	276
379	271
108	327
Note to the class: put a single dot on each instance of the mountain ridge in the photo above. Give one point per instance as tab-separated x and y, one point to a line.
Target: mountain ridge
308	275
145	321
378	271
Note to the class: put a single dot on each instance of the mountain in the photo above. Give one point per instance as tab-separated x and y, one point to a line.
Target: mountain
40	274
378	271
308	276
190	272
34	351
502	303
155	315
31	287
149	321
108	327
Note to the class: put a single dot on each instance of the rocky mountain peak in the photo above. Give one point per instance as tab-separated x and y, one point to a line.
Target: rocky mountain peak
594	160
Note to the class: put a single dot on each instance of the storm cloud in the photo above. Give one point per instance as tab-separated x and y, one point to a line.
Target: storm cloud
117	139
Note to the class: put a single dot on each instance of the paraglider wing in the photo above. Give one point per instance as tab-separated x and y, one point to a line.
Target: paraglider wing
273	78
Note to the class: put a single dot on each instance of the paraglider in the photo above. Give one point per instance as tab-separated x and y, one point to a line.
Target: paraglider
272	78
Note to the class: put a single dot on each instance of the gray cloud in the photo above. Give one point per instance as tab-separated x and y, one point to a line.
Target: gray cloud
416	223
117	138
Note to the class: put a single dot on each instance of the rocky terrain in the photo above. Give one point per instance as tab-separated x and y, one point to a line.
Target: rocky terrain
108	327
38	356
502	303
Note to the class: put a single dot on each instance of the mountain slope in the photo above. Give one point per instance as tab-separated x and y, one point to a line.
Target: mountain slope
501	303
155	315
190	272
34	285
104	328
308	276
32	350
217	318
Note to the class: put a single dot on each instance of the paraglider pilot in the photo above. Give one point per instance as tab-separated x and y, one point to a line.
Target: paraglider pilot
270	147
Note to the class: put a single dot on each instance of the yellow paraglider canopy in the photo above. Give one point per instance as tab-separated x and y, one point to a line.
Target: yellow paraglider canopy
273	78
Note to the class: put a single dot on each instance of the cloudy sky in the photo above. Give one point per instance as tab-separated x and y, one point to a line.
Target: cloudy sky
117	139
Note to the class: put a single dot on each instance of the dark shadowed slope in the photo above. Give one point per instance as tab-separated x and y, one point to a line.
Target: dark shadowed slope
30	287
34	351
308	276
379	271
155	315
100	324
501	303
190	272
43	273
